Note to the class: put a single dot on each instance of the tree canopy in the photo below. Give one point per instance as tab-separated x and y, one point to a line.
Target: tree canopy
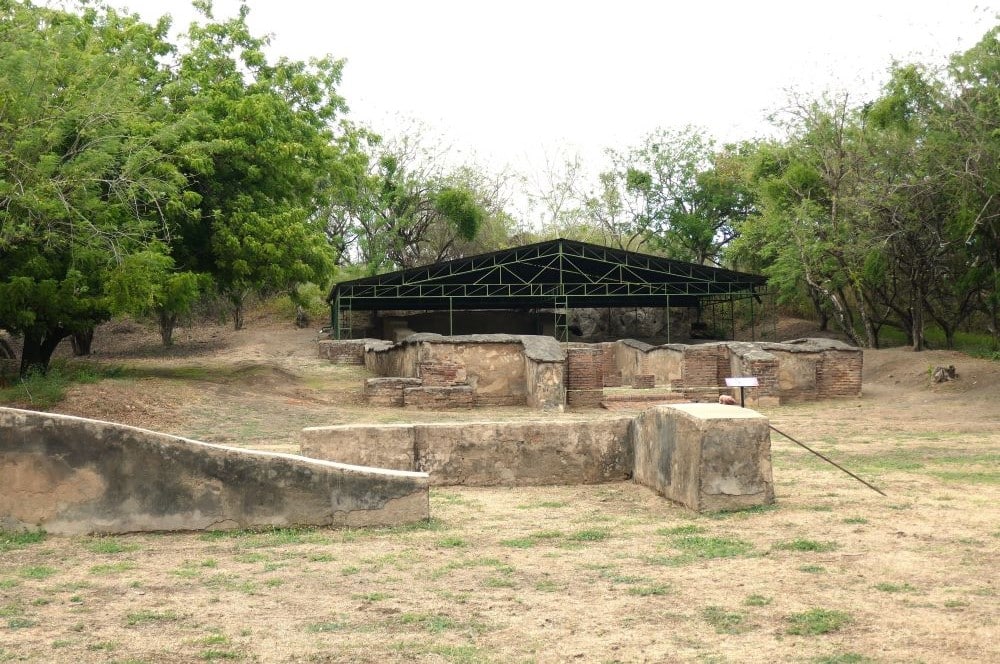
138	171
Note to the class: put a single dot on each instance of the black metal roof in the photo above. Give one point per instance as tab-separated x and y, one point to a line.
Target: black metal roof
563	273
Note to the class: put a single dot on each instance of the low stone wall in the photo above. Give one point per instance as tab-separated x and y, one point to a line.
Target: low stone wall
501	369
706	457
70	475
486	453
797	370
348	351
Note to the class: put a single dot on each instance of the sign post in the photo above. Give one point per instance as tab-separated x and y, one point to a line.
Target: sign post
742	382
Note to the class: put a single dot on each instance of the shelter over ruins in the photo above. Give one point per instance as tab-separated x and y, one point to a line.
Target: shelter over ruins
556	274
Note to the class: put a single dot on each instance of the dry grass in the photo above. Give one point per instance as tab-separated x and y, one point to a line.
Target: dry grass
832	573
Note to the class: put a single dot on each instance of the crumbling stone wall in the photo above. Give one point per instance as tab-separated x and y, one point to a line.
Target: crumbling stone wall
839	374
584	375
486	453
71	475
706	457
350	351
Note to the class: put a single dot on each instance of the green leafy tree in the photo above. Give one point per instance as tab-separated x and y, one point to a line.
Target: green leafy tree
82	179
675	194
411	210
261	156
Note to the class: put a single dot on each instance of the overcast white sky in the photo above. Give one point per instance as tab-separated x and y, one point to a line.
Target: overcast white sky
511	80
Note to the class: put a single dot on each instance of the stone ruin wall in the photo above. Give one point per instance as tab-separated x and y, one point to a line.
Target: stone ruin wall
706	457
430	371
70	475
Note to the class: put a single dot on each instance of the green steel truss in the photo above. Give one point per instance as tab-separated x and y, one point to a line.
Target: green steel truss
558	274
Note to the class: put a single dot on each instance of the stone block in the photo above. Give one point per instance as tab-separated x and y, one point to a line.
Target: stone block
343	351
373	445
707	457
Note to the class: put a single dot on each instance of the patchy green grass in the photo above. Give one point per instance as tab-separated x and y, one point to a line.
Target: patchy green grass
726	622
844	658
649	590
44	390
452	542
687	529
812	569
589	535
146	617
887	587
712	547
112	568
10	540
327	626
110	545
544	504
519	542
817	621
806	545
758	600
36	572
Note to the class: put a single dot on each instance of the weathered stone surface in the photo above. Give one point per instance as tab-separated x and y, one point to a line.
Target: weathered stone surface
343	351
71	475
388	391
489	453
545	384
439	398
643	381
389	446
707	457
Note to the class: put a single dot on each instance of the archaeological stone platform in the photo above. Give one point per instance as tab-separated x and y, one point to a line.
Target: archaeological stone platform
70	475
706	457
430	371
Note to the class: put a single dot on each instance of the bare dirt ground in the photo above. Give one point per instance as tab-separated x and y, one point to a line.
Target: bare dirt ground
609	573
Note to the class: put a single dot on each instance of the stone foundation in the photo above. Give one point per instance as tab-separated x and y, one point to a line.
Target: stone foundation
505	370
486	453
69	475
439	398
706	457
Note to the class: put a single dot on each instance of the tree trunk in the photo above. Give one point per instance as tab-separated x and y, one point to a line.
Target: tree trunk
167	323
840	312
917	320
38	349
821	313
82	341
6	352
237	312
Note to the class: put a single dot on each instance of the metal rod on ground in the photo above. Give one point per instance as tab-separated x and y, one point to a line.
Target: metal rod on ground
833	463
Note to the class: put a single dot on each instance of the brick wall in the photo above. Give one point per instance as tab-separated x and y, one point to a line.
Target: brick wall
766	373
700	366
387	391
584	376
439	398
644	381
609	365
442	374
838	374
343	351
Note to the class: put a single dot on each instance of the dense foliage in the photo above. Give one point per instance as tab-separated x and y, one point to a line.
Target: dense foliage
138	173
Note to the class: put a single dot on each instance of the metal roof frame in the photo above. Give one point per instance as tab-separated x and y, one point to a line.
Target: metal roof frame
560	274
